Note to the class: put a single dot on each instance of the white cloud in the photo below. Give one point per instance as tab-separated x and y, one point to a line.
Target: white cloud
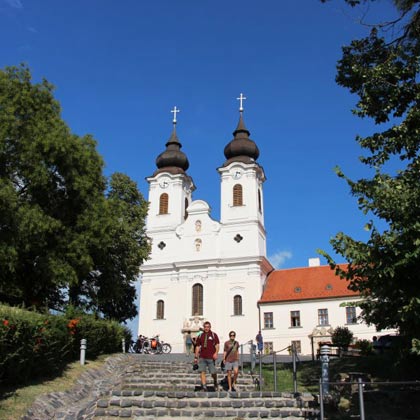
279	258
17	4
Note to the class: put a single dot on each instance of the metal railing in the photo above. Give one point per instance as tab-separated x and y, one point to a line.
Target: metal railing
291	349
360	386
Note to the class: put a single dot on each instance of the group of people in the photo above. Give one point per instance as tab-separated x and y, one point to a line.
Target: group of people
206	351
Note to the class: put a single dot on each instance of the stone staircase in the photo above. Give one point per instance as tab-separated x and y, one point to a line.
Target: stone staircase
149	389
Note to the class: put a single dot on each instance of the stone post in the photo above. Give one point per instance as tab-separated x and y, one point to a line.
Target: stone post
83	346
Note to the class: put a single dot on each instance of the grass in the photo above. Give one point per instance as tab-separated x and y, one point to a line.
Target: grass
15	401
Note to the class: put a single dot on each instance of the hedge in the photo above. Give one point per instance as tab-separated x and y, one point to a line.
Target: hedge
34	344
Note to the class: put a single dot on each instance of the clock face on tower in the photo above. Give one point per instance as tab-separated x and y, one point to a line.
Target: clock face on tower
163	184
237	174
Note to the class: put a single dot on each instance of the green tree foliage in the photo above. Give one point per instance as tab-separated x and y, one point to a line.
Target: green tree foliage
62	234
342	337
383	70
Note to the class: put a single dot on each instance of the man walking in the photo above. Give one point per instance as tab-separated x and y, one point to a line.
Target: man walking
231	360
206	352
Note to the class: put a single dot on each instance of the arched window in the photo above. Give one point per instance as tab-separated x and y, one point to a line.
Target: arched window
237	305
237	195
259	201
197	299
185	210
160	309
163	203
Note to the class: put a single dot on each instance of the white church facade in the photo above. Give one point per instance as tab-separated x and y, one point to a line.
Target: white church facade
201	269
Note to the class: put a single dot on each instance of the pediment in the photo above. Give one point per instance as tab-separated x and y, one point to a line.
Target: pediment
198	221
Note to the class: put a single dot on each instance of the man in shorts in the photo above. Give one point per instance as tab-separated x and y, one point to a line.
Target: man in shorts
231	360
206	352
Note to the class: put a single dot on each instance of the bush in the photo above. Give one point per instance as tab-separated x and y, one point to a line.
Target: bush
342	337
33	344
365	347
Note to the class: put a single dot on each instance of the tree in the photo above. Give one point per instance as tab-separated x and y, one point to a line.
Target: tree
61	234
119	253
384	72
342	337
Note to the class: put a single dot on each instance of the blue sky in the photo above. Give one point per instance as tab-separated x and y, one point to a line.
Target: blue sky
119	67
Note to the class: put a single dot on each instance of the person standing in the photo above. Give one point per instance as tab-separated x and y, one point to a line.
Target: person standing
188	343
260	343
206	352
231	360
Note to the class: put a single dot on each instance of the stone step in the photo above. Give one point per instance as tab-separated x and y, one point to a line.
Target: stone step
207	404
186	380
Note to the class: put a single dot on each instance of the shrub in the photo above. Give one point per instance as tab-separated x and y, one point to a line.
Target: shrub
342	337
33	344
365	347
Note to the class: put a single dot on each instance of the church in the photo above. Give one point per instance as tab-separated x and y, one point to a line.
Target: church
201	269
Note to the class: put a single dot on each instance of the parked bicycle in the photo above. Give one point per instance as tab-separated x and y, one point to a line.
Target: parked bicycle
151	345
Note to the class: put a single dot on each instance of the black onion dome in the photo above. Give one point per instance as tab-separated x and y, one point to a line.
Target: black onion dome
172	160
241	148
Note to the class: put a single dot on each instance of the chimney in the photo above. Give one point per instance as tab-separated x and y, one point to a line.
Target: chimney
314	262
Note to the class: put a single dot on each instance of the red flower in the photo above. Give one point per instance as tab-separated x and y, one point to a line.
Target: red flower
72	325
5	322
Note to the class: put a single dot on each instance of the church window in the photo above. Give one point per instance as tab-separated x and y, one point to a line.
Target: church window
197	299
259	201
160	309
323	317
351	315
185	211
237	305
295	318
268	320
163	203
238	238
237	195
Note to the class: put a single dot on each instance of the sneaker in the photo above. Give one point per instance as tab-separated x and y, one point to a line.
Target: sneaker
204	388
233	389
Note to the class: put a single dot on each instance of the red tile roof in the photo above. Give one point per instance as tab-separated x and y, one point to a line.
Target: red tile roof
305	283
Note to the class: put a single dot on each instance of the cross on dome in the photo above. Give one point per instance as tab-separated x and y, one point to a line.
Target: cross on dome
241	99
175	111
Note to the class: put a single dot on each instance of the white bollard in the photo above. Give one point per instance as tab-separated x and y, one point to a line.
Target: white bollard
82	351
123	345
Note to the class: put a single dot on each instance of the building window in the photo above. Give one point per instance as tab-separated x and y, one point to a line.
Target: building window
351	315
237	305
259	201
163	203
295	318
323	317
237	195
297	345
185	210
160	309
268	347
268	320
197	299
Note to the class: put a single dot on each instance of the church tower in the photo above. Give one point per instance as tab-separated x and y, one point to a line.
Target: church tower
241	198
170	187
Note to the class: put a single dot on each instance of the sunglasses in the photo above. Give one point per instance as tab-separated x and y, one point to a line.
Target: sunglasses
232	335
